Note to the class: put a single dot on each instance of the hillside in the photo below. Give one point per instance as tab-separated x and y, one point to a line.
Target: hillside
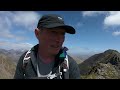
104	65
8	62
7	67
79	58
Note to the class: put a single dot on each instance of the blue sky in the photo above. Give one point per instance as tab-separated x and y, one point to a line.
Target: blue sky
96	31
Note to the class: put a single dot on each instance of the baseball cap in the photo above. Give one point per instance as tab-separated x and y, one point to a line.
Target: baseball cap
53	21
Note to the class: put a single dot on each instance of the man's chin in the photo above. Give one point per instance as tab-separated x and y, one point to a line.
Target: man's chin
56	52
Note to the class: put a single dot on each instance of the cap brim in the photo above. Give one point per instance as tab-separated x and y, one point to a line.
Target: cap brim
69	29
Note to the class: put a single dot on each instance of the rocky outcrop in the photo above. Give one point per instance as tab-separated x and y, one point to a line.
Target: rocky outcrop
102	71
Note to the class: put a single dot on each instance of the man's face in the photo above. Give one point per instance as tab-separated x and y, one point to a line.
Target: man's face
51	40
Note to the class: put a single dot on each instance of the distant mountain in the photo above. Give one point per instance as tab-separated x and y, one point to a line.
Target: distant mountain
103	65
79	58
13	54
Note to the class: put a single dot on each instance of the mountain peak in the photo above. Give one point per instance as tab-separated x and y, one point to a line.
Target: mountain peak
111	51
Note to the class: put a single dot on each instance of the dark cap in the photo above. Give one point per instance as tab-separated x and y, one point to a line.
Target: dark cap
52	21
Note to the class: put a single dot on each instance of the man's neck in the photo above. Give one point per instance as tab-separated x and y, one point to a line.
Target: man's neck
46	57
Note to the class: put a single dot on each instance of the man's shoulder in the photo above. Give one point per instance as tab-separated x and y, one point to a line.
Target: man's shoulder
23	54
74	69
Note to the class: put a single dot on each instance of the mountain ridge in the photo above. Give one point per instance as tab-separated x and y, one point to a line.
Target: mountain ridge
107	61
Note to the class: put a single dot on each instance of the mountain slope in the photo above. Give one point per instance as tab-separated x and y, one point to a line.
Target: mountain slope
7	67
107	62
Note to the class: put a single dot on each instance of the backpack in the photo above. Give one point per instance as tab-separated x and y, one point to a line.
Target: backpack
63	67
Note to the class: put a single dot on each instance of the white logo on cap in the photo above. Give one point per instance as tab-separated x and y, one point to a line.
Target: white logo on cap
60	18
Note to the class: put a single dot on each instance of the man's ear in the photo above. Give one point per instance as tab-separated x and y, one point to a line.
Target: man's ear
37	33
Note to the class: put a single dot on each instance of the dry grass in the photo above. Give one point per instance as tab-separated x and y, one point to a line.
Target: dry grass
7	67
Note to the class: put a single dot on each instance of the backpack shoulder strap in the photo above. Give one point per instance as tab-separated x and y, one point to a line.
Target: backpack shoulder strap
63	72
64	66
26	59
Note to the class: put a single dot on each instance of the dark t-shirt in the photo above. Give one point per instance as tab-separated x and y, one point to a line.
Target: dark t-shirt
44	68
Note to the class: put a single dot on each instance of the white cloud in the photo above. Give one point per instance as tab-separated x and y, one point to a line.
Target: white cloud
28	19
10	20
20	18
93	13
113	19
6	34
116	33
5	27
15	46
21	22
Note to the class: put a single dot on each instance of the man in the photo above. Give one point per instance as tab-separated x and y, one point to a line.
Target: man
48	59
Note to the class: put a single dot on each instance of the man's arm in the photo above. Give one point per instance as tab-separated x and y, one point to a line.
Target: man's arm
74	72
